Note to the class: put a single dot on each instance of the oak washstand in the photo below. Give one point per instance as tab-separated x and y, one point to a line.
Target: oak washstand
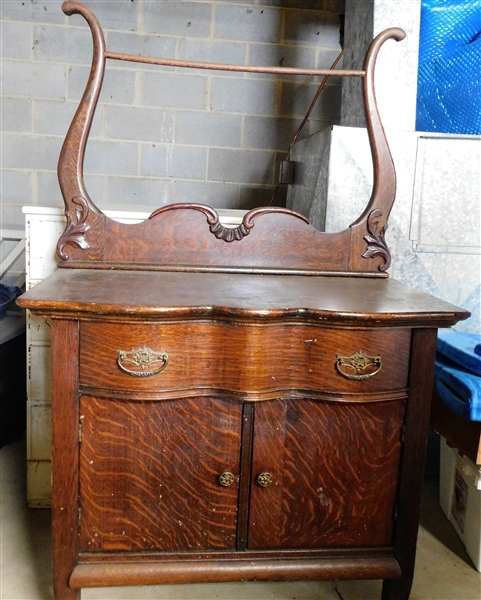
234	404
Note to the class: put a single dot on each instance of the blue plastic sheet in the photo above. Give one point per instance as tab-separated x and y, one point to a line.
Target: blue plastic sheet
459	348
460	390
449	78
457	374
7	296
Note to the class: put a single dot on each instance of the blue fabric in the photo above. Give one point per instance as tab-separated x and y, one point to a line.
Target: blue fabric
7	296
460	390
449	76
460	348
457	373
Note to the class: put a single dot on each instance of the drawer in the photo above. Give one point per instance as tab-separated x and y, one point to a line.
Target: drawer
249	359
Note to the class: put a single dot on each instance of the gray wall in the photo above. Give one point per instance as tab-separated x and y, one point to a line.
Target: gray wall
161	135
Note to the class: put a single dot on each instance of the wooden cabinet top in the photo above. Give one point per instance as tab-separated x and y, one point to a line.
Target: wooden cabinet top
163	295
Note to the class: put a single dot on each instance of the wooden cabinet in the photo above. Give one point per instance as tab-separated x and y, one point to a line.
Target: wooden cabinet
165	475
149	474
191	440
233	403
242	439
305	445
164	462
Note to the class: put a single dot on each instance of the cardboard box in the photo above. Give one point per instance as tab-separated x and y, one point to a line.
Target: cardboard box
460	499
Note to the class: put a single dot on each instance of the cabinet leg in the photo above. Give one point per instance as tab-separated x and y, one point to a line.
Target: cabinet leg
63	592
397	589
412	469
65	453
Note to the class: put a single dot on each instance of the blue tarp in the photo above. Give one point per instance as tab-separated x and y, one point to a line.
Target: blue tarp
460	348
457	375
449	77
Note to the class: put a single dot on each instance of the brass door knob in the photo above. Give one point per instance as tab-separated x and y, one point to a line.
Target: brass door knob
226	478
265	479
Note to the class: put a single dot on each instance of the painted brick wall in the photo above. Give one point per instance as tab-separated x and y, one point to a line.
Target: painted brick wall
161	135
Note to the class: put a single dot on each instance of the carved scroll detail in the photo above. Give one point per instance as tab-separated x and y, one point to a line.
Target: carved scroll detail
70	164
228	234
74	233
376	243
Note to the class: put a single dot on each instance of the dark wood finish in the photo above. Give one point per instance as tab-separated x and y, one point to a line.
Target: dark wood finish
321	385
149	474
172	62
245	475
227	297
250	359
95	575
412	468
269	238
459	433
305	445
208	556
251	385
65	439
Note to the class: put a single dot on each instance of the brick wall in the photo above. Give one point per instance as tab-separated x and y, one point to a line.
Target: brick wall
161	135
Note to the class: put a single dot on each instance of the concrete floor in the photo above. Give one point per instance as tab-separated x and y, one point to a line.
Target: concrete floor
443	569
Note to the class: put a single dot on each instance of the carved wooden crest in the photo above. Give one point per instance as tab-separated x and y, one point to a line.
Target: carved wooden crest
191	236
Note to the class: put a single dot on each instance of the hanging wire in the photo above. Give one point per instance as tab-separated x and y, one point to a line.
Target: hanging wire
304	121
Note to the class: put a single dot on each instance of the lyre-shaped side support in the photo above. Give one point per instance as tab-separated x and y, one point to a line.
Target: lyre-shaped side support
78	204
91	235
376	214
70	164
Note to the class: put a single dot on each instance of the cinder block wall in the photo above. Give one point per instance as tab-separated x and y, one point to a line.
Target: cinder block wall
161	135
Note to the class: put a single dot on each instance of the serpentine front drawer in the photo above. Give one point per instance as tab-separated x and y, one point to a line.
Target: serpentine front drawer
253	359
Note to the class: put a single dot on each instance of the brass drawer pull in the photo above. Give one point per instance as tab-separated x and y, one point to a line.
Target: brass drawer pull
226	478
142	357
265	479
358	362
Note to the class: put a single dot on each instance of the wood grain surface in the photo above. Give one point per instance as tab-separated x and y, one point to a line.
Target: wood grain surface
335	471
189	571
247	359
332	443
149	474
344	301
65	475
182	234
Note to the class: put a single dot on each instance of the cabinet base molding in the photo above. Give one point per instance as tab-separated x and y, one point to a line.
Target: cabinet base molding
152	573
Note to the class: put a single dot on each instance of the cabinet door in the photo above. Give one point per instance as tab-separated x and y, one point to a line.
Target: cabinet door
334	469
149	474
